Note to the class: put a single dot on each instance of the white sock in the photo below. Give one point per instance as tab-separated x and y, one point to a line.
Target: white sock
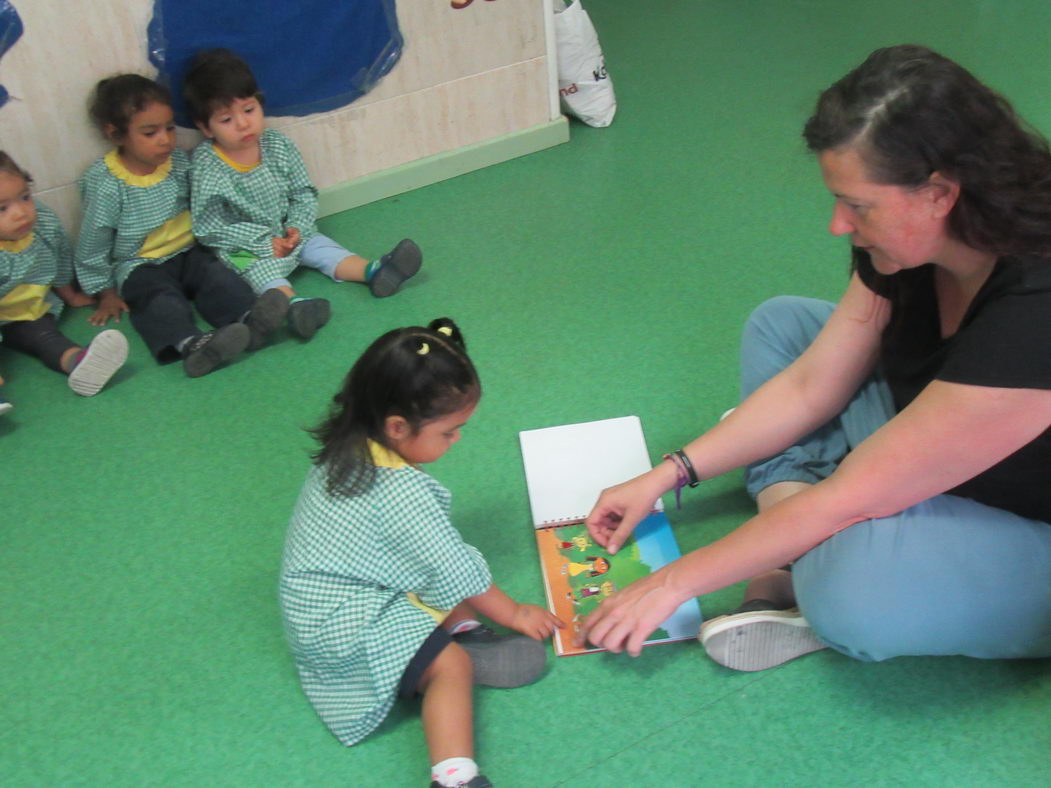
454	771
465	626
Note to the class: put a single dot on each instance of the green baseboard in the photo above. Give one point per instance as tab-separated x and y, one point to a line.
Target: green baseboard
439	167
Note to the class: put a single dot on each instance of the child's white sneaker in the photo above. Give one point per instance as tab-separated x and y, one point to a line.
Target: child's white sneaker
104	356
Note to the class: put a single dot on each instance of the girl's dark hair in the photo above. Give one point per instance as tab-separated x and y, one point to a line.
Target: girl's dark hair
909	112
117	99
8	165
417	373
215	79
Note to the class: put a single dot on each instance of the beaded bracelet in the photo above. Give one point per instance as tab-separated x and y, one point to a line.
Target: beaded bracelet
685	474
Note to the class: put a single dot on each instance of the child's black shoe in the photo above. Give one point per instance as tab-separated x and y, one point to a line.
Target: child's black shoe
307	315
400	263
503	660
266	314
204	353
478	781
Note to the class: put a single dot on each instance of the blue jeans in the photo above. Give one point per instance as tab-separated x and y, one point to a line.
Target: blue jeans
320	253
946	576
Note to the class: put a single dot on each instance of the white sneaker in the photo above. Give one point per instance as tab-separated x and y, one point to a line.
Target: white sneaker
105	355
758	639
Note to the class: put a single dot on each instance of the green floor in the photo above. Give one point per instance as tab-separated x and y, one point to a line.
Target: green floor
142	530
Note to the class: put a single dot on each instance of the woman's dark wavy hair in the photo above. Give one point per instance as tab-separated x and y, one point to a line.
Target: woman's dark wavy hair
116	99
417	373
910	112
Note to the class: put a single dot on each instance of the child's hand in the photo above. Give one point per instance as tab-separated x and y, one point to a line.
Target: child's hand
293	236
536	622
109	305
282	247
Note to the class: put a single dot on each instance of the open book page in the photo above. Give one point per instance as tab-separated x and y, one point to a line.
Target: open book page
566	467
579	574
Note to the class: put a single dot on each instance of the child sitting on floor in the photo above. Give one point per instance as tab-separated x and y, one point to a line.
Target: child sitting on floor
136	248
378	589
36	274
254	203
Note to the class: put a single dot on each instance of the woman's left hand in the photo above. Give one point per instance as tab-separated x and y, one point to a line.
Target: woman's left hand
625	619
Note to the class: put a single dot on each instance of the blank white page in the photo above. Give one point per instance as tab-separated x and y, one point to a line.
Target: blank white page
566	467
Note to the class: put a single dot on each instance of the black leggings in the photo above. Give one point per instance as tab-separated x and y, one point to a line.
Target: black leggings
40	338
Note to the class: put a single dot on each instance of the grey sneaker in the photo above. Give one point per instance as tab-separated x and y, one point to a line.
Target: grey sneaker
105	355
400	263
266	314
209	350
307	315
757	636
503	660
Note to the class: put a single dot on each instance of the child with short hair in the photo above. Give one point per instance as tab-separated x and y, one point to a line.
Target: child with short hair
254	203
136	247
372	561
36	275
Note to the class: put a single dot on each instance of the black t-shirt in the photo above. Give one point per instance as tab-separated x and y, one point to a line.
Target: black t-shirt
1004	341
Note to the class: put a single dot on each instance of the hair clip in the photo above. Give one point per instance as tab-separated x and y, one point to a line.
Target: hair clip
424	349
447	330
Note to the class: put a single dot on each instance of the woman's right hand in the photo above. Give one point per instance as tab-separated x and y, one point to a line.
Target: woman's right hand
620	508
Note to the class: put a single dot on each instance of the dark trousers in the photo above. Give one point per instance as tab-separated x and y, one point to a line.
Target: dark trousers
159	296
40	338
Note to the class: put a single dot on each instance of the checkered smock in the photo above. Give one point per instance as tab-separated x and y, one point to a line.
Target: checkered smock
236	212
120	211
42	260
349	563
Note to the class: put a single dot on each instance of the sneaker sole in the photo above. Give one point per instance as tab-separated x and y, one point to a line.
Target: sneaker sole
228	342
759	640
405	260
106	354
6	407
268	312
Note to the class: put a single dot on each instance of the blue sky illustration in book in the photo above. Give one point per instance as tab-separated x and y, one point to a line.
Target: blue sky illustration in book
308	56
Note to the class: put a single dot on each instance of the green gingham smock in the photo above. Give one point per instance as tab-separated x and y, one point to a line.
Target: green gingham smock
47	261
349	563
236	212
119	215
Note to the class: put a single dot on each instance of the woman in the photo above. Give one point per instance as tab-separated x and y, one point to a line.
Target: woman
897	443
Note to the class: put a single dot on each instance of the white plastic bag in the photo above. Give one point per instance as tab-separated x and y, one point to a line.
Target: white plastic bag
584	85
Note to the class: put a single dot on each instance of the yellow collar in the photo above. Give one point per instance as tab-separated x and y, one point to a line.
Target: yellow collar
17	246
382	457
233	164
116	166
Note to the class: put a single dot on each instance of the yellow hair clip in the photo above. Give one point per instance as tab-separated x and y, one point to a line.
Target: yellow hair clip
424	349
445	330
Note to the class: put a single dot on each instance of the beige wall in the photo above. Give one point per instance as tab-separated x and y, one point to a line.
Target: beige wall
465	76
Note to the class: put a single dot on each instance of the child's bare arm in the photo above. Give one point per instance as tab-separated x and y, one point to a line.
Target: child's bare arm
531	620
73	297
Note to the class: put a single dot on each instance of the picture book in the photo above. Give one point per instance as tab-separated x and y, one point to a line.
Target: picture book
566	468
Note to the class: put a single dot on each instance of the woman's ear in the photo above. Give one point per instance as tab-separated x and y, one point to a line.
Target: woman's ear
396	428
944	193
